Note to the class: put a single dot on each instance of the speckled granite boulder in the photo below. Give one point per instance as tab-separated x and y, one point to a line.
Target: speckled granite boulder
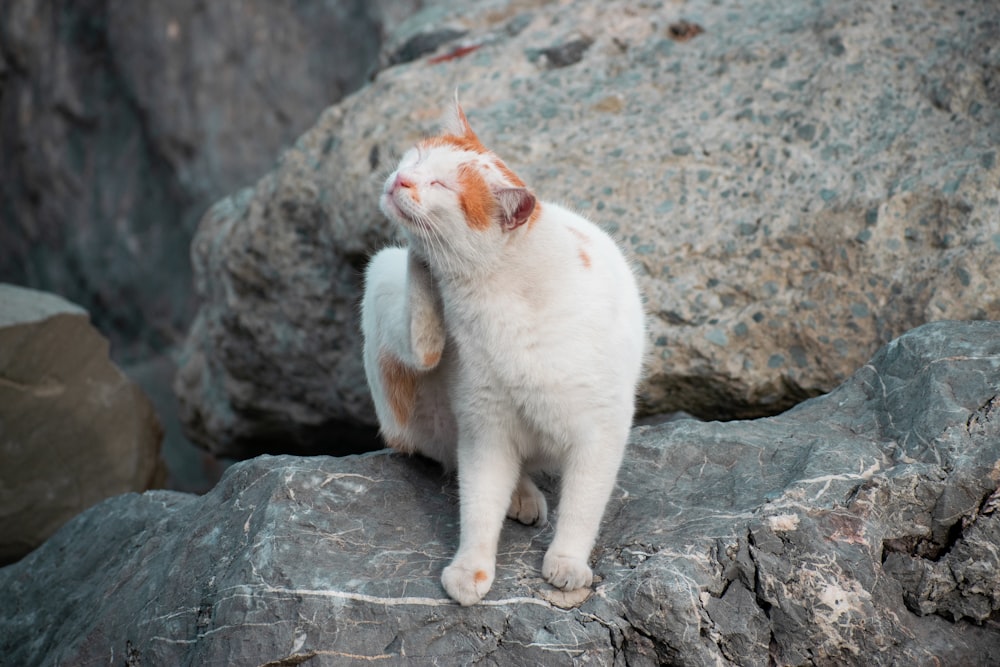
859	528
74	429
798	183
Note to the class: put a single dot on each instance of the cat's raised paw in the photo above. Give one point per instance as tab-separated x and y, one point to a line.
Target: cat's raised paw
466	584
566	572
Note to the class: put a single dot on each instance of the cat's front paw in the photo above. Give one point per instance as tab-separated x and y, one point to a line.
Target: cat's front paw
465	582
566	572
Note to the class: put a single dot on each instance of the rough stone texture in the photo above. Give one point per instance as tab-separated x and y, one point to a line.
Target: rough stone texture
122	120
73	429
858	528
798	183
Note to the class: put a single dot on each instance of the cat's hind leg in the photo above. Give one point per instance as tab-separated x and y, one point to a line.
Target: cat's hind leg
404	340
426	319
401	312
527	503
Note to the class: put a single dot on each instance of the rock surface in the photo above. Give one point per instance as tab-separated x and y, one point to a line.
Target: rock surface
122	120
858	528
74	430
798	183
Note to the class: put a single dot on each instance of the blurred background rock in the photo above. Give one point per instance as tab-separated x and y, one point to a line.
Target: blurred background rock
121	121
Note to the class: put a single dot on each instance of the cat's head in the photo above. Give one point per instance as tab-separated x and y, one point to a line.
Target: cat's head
453	195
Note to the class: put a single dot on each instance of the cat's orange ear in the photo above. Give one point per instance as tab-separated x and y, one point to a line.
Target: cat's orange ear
516	206
456	123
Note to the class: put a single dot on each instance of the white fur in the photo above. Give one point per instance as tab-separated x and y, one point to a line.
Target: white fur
543	334
401	315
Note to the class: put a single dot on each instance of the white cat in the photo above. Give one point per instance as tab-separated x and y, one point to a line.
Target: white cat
508	337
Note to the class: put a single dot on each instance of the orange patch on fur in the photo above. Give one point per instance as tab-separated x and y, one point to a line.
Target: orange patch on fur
467	142
475	197
584	242
535	215
508	174
400	386
480	576
431	359
471	143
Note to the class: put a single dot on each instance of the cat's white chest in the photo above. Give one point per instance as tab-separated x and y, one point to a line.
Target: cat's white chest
499	339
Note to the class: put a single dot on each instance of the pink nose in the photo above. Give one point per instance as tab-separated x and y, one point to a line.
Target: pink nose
402	182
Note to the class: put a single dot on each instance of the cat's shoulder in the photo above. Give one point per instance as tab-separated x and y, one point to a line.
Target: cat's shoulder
565	220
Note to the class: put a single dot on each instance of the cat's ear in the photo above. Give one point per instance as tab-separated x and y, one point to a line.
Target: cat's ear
516	206
455	122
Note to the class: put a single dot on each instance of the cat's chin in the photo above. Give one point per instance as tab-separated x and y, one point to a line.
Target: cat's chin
395	212
391	209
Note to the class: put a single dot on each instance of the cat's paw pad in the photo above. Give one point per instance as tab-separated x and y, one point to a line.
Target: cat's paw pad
566	572
467	584
528	505
427	337
428	345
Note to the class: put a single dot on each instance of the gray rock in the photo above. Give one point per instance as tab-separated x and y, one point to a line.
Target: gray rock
798	184
750	543
189	468
74	429
124	119
271	365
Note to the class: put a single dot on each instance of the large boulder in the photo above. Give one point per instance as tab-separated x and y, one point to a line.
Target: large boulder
74	429
797	183
859	528
122	120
